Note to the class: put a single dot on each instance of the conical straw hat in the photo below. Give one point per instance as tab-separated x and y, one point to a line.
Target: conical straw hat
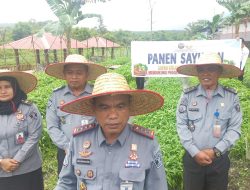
228	71
56	69
141	101
26	81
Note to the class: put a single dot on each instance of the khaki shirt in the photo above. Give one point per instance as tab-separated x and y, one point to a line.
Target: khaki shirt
204	123
110	166
60	123
19	136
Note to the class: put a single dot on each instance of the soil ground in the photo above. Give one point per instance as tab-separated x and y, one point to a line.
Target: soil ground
239	175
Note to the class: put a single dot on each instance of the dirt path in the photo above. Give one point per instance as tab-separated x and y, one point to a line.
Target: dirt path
239	175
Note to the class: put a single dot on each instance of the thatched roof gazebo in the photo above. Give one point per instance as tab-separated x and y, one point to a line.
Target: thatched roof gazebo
44	42
100	42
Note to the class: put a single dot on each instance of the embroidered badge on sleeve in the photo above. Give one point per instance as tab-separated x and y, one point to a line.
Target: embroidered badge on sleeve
157	159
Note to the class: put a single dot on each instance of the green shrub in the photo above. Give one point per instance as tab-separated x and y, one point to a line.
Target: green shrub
163	121
46	84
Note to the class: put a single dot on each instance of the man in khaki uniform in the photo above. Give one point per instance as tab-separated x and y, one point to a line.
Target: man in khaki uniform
208	123
112	154
76	71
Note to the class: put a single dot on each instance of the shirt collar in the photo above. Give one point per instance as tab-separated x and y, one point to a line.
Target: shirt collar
218	91
121	139
88	90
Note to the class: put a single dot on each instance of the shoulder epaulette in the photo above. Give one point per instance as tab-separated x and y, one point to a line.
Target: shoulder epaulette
230	89
83	128
190	89
59	88
27	102
143	131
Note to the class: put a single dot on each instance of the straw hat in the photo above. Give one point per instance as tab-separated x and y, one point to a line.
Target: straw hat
26	81
56	69
228	70
141	101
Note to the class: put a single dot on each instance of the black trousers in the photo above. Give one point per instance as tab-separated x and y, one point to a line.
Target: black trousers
29	181
60	158
211	177
140	82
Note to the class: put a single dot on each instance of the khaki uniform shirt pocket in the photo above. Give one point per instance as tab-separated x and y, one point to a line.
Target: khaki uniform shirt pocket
134	175
223	119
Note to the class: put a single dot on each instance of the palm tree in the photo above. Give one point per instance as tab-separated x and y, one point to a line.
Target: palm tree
239	10
213	27
196	30
69	14
205	29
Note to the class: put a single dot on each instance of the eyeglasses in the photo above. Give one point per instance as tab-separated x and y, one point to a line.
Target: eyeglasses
210	69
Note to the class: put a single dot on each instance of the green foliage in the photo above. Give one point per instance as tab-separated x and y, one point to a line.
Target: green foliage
163	123
48	150
244	94
40	97
46	84
5	34
125	70
238	11
119	61
82	33
246	80
21	30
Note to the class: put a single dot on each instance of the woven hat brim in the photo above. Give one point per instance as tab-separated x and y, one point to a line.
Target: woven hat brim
229	71
141	102
26	81
56	70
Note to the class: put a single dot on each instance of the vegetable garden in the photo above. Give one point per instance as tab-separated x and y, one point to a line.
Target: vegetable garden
161	121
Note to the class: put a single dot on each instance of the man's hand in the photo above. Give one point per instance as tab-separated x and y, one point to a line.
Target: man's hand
210	153
202	158
9	165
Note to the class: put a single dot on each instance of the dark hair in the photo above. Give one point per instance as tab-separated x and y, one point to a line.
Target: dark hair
67	65
13	82
214	67
11	106
93	101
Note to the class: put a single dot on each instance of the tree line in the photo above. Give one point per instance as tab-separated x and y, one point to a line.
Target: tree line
69	14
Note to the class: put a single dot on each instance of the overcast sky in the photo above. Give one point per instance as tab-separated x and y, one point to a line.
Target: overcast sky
131	15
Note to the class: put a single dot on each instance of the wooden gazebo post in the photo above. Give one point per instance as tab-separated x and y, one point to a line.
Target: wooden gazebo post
112	53
46	56
103	51
17	59
80	51
37	57
64	54
55	56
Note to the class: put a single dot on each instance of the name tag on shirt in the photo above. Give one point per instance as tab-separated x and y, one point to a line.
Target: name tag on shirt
126	185
83	161
217	131
20	139
193	109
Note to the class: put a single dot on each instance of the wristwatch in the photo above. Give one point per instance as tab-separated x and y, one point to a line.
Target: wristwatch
217	153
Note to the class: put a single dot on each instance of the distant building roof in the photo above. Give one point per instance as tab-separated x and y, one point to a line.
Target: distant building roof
45	41
228	32
98	42
245	35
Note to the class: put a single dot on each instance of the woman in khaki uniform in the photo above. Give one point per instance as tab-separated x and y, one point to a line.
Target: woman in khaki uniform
20	131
